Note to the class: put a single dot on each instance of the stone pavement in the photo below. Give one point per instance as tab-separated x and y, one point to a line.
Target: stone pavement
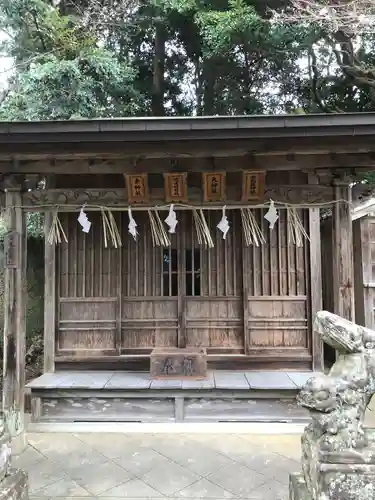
159	466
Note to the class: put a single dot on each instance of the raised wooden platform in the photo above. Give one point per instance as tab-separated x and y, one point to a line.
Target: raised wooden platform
224	396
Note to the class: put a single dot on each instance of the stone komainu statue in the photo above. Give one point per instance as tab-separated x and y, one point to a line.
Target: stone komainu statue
338	452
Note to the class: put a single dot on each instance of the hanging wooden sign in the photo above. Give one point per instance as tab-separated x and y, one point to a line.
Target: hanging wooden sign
214	186
11	250
175	187
253	185
137	188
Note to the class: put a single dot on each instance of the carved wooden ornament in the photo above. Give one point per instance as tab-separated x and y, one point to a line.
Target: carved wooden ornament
137	188
175	187
214	186
253	186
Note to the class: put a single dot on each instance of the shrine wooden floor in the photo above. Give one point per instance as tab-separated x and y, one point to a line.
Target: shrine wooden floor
117	396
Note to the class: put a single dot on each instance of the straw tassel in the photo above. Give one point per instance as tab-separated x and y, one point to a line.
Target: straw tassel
56	233
158	233
110	229
203	232
296	230
252	232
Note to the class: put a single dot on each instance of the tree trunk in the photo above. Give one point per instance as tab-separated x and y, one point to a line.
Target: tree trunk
209	88
158	70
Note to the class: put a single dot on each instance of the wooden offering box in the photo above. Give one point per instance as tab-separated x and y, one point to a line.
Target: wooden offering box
172	362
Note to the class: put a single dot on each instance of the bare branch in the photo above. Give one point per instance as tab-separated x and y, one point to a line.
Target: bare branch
102	14
353	17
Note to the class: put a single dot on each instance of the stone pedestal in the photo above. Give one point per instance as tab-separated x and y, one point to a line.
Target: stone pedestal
297	488
342	475
13	482
14	486
337	482
172	362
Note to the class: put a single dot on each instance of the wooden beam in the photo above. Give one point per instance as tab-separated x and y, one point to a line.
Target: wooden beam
232	160
14	317
81	145
49	297
343	266
42	199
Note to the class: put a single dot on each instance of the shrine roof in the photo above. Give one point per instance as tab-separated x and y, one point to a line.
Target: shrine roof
210	126
178	136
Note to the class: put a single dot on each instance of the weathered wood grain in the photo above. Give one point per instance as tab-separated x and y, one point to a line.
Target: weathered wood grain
343	264
118	197
14	317
230	380
49	296
108	409
129	380
269	380
242	410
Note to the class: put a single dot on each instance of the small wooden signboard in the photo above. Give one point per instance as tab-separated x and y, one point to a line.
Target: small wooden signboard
137	187
174	362
214	186
176	187
252	185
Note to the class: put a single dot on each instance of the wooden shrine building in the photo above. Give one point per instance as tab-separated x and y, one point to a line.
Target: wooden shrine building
118	283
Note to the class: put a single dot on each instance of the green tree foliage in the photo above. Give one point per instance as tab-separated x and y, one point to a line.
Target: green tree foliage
93	84
63	71
104	58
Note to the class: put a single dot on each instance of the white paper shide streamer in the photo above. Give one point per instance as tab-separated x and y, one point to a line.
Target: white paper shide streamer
132	226
171	220
83	220
223	225
272	215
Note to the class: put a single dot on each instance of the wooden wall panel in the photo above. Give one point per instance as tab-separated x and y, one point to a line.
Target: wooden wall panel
278	322
87	324
87	310
89	340
86	268
215	323
147	323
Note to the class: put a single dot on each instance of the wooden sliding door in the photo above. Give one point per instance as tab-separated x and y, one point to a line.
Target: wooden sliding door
213	315
185	294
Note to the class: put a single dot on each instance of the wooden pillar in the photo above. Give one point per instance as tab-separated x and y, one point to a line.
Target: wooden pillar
362	268
316	285
342	254
245	294
14	316
49	297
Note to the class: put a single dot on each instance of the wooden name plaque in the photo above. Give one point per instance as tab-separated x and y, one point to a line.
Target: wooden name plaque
172	362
